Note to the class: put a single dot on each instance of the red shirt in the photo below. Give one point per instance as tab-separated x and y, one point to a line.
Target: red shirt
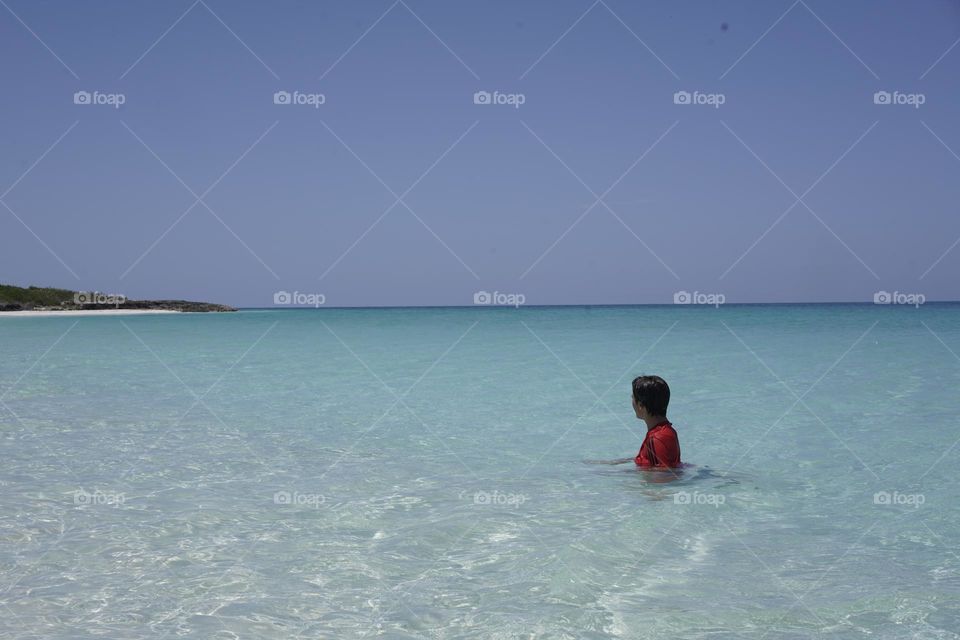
660	447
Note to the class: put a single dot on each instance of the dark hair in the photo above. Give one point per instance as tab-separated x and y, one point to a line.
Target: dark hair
653	393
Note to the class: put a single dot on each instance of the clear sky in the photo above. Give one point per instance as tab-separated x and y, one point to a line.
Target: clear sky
400	190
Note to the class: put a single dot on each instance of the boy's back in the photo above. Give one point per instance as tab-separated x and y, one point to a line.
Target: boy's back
661	447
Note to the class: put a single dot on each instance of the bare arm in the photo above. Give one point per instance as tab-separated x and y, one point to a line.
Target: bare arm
617	461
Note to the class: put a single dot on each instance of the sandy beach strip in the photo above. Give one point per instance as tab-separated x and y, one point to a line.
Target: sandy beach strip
84	312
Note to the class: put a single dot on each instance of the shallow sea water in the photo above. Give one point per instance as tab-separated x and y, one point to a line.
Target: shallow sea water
410	473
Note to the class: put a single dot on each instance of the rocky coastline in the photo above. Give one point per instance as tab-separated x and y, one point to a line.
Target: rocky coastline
44	299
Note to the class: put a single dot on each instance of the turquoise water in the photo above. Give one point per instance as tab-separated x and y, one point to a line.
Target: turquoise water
419	473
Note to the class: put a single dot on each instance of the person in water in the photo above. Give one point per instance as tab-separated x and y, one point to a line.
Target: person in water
661	447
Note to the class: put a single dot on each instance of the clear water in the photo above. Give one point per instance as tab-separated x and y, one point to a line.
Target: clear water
433	461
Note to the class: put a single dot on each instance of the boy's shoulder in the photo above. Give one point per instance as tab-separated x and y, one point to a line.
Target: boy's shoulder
664	428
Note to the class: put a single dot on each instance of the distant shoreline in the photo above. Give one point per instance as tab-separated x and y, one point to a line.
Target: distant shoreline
35	301
41	313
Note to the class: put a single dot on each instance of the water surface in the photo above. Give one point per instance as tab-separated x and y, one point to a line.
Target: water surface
419	473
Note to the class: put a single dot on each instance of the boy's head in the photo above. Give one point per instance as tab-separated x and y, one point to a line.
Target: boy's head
651	395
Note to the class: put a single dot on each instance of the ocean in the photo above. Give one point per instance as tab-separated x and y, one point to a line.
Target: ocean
410	473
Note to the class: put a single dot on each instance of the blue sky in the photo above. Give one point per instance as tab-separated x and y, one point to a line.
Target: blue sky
400	190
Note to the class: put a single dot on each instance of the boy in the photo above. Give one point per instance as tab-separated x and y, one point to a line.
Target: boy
660	448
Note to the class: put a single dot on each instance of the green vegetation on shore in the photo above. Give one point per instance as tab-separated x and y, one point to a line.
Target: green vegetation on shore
13	298
34	296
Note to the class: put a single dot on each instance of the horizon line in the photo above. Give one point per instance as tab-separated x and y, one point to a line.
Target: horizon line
585	305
